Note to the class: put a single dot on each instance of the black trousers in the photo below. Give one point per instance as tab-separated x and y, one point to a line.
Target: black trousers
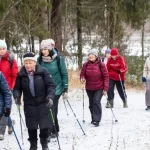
120	89
33	134
55	112
95	104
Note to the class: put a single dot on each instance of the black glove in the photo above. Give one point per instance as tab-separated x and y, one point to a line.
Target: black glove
49	103
7	112
18	100
118	71
65	90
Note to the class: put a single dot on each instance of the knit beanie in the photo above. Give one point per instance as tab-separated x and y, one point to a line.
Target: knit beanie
94	52
107	51
3	44
46	44
29	56
114	52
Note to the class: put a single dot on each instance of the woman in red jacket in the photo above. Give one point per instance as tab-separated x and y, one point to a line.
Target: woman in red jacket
116	68
95	74
9	68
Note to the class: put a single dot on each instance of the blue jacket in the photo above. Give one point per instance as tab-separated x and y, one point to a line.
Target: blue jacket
5	94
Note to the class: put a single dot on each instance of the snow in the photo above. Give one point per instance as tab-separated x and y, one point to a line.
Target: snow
132	132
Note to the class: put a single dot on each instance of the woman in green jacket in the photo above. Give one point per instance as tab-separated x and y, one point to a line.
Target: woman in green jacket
50	59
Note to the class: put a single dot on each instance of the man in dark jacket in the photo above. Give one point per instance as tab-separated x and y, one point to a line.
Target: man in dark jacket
5	102
38	93
95	74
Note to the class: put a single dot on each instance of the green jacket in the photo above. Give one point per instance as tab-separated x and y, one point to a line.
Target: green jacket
59	73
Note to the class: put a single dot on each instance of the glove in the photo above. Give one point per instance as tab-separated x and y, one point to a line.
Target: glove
18	100
65	96
65	90
82	80
143	79
49	103
118	71
7	112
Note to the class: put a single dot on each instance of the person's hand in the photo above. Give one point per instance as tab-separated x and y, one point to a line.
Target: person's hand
82	80
143	79
104	92
49	103
65	96
65	90
7	112
118	71
17	100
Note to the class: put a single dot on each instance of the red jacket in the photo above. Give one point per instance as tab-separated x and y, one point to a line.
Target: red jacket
10	73
114	65
96	78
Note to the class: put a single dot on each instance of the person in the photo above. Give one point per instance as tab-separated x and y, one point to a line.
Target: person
9	68
55	64
38	94
5	98
146	79
116	68
94	74
107	56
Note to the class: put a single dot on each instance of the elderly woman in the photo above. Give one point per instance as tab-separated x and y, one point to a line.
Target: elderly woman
95	75
38	92
146	79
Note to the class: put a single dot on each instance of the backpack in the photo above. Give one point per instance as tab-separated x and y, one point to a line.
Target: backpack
10	58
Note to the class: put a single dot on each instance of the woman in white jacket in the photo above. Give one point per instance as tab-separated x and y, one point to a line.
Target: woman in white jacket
146	79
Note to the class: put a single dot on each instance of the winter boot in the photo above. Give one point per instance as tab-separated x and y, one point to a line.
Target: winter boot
33	145
95	123
110	104
1	137
147	108
125	105
44	143
10	128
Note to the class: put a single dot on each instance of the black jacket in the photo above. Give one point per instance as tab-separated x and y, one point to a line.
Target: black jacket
43	84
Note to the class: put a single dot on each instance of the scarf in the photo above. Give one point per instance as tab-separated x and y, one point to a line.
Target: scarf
49	58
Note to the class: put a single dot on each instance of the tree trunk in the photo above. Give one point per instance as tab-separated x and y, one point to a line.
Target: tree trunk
79	33
33	47
56	23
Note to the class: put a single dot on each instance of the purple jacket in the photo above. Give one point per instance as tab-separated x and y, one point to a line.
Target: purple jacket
96	75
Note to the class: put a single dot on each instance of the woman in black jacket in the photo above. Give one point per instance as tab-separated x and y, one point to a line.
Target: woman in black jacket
38	93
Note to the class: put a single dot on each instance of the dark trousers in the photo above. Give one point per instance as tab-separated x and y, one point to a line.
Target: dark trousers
120	89
33	134
95	104
55	112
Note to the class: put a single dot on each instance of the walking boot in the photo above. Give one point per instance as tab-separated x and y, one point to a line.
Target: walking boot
110	104
33	145
10	128
125	105
44	143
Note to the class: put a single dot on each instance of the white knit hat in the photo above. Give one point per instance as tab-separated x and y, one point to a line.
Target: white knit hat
94	52
46	44
29	56
3	44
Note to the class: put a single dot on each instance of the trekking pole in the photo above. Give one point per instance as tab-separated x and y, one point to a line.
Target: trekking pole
122	88
65	107
76	117
21	117
10	121
83	103
52	116
112	110
20	124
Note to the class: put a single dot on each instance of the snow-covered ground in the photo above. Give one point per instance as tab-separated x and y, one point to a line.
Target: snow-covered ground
132	132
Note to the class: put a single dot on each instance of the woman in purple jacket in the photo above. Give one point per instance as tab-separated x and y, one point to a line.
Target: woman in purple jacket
94	74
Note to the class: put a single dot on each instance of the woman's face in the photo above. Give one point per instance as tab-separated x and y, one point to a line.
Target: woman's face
45	52
3	51
92	57
29	65
108	55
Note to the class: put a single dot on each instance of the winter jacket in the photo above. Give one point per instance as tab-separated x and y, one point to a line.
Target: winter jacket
10	72
114	65
96	75
5	94
58	71
146	71
43	85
